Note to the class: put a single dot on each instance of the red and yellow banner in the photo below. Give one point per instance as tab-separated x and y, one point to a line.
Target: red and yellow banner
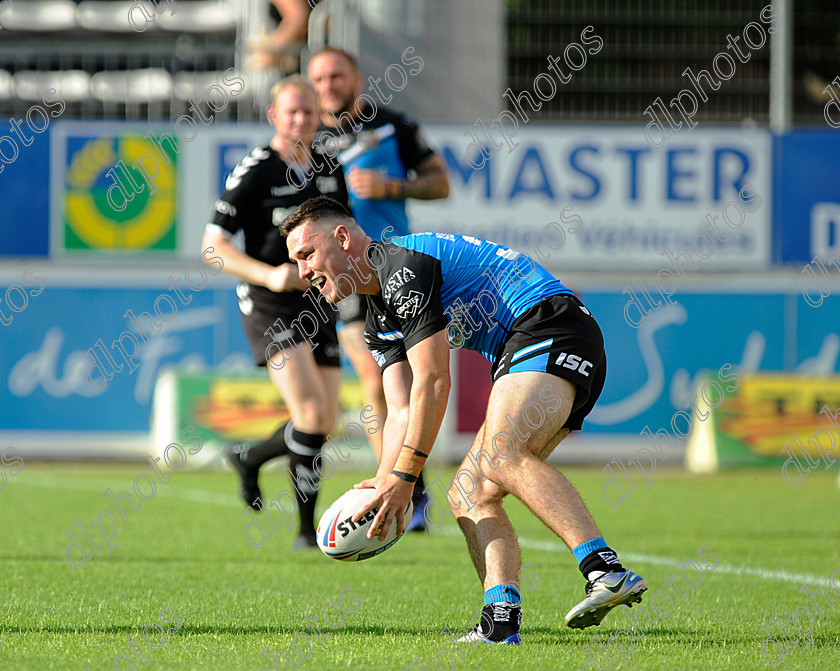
767	420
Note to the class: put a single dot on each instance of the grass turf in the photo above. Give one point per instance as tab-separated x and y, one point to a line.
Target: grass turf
185	549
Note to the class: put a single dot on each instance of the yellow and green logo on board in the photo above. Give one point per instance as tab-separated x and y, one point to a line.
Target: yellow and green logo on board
120	194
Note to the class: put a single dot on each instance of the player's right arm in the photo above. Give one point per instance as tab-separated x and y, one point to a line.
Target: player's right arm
232	212
281	278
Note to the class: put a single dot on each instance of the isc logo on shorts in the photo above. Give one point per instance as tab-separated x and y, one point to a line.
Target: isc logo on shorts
574	362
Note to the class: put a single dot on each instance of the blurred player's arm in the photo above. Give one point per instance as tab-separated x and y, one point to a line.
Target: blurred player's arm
294	15
287	38
430	183
281	278
430	180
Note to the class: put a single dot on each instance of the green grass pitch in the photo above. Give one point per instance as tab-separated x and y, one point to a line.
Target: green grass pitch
184	551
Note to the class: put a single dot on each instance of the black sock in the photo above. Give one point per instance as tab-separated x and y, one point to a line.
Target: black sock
500	620
417	494
603	559
303	450
274	446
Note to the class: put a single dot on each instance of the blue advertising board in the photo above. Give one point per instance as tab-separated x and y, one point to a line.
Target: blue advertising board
24	198
651	369
626	201
806	189
619	190
45	366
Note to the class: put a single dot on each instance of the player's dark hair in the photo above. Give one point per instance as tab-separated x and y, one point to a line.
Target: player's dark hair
337	51
314	209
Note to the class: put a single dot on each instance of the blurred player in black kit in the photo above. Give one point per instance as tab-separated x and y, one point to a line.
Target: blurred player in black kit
385	161
266	186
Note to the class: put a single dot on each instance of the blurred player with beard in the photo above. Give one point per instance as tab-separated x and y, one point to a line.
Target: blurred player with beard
266	186
385	160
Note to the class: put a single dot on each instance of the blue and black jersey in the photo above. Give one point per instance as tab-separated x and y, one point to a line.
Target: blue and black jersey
473	288
389	142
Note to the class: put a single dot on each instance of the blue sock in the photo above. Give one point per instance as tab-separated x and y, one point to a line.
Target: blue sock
582	550
502	593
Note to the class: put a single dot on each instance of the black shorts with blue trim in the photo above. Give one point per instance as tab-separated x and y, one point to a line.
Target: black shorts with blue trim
558	336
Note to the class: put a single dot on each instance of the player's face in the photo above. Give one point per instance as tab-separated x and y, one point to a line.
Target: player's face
320	258
294	116
336	82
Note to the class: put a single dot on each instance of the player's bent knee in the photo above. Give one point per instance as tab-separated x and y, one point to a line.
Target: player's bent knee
314	417
468	494
502	475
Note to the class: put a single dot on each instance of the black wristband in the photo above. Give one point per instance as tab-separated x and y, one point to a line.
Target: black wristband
417	453
408	477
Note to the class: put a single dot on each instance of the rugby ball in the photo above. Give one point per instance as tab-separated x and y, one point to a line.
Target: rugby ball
340	538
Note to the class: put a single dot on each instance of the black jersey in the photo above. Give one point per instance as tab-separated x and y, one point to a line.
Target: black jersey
388	141
260	192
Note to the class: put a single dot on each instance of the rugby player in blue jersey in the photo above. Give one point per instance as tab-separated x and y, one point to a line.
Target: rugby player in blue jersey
385	160
425	293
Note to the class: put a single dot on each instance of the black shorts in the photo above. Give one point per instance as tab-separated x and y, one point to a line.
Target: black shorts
351	309
275	325
558	336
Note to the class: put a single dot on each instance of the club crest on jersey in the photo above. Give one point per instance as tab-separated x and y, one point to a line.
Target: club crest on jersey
408	305
396	280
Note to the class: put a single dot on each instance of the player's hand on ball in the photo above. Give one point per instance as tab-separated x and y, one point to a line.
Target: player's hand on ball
367	184
392	497
285	278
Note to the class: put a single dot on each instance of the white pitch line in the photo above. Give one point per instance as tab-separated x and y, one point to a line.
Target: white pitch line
196	495
728	569
205	496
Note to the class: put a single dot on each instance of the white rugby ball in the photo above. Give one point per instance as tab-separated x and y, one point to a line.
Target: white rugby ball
340	538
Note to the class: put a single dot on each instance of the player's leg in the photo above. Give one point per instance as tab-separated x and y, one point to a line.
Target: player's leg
552	373
486	502
503	446
476	500
260	319
508	458
521	449
352	339
308	382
